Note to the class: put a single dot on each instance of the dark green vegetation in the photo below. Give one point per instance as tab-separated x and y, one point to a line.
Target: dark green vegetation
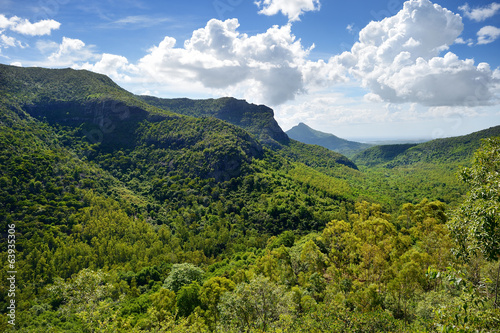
439	151
306	134
256	119
132	217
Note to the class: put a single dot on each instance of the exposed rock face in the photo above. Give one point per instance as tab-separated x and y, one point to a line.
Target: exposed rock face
109	122
256	119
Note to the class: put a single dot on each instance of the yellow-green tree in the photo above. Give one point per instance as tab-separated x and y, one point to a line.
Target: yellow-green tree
476	226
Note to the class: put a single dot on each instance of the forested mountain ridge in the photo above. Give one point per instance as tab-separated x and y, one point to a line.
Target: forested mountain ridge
112	119
306	134
256	119
438	151
131	218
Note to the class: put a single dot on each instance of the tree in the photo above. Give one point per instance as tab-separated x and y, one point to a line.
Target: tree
188	298
476	226
211	293
164	302
181	275
254	305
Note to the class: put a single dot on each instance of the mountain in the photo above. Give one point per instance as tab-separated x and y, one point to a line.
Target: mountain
151	154
306	134
111	119
162	221
256	119
439	151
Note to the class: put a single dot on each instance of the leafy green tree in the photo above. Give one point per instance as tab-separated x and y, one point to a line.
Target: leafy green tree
254	305
164	302
211	293
87	295
188	298
213	289
476	226
313	258
181	275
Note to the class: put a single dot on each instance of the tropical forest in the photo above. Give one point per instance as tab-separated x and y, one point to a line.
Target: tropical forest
127	213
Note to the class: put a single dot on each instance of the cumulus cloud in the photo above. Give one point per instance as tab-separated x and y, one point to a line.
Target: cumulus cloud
266	67
487	34
69	52
291	8
398	59
40	28
112	65
481	13
460	40
25	27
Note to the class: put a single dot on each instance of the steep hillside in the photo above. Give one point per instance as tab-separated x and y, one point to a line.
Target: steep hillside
314	155
155	155
110	118
381	154
119	216
256	119
306	134
439	151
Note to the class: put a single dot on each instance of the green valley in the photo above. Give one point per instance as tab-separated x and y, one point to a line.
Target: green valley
140	214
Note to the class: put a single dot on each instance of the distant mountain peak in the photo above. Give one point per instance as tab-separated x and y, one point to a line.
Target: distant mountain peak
306	134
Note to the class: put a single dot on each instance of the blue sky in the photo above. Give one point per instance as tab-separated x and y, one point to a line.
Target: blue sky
362	70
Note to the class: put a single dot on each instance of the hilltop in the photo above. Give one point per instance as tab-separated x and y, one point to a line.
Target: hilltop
306	134
439	151
256	119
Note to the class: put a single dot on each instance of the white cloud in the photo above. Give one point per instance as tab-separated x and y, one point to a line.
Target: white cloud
328	109
70	52
487	34
291	8
40	28
25	27
399	60
137	21
5	22
265	67
46	46
7	41
481	13
460	40
112	65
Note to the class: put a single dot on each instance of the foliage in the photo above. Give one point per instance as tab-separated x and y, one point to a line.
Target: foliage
447	150
254	305
477	225
170	223
257	120
182	275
